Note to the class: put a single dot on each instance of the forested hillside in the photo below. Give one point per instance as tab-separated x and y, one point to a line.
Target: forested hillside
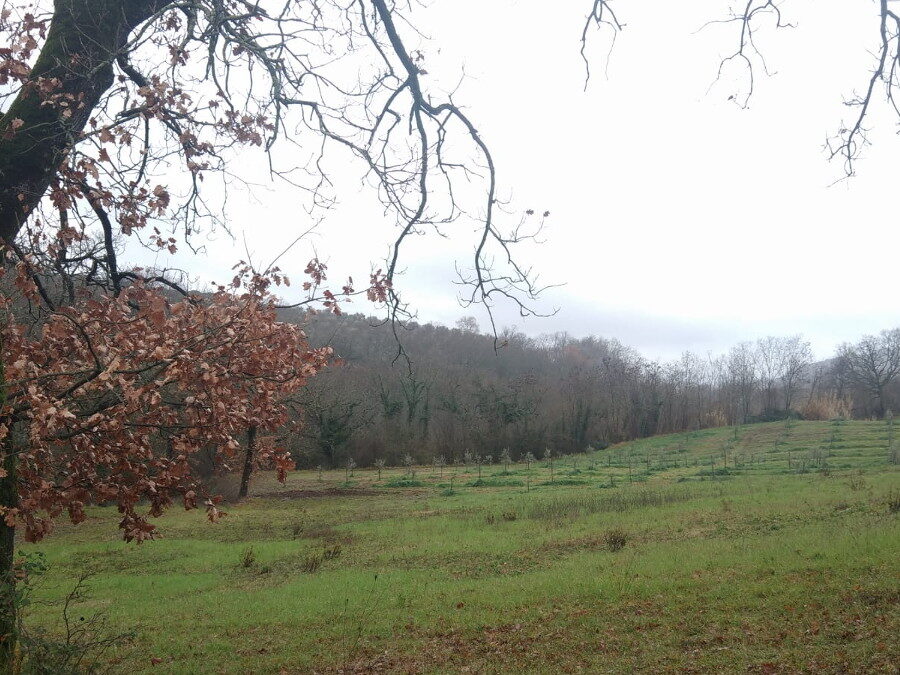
455	393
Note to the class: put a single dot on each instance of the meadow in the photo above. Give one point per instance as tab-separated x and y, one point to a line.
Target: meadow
769	548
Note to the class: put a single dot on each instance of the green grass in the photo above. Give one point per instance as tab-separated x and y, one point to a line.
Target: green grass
766	549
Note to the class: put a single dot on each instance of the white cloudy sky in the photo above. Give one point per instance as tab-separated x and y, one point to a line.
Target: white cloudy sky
679	221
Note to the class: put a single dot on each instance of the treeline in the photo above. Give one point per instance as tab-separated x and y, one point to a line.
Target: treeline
451	392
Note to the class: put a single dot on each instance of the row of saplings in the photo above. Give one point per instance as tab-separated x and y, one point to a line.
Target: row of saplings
469	460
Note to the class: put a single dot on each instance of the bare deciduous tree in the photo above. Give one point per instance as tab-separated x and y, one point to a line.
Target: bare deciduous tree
872	364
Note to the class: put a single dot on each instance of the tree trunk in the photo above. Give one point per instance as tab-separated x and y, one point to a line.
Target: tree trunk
9	498
8	605
84	39
248	463
879	406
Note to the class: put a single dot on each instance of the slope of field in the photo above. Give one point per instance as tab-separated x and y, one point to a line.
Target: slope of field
768	548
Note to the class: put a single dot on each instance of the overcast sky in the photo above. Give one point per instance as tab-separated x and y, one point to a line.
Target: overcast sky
678	220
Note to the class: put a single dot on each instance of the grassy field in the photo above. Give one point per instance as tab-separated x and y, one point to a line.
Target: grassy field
769	548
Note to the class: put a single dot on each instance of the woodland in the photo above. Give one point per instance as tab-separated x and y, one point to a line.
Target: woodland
459	392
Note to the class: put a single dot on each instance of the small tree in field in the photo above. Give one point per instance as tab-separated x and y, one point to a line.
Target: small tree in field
410	464
348	468
548	457
529	460
379	465
440	462
506	459
469	459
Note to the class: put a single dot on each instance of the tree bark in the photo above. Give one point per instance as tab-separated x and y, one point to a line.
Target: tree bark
9	498
84	39
248	463
9	632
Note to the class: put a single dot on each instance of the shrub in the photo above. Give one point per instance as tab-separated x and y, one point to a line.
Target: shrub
81	649
311	563
827	407
615	540
893	502
331	552
857	483
715	418
248	557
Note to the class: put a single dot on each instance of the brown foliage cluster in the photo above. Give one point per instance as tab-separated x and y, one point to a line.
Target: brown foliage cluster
116	395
